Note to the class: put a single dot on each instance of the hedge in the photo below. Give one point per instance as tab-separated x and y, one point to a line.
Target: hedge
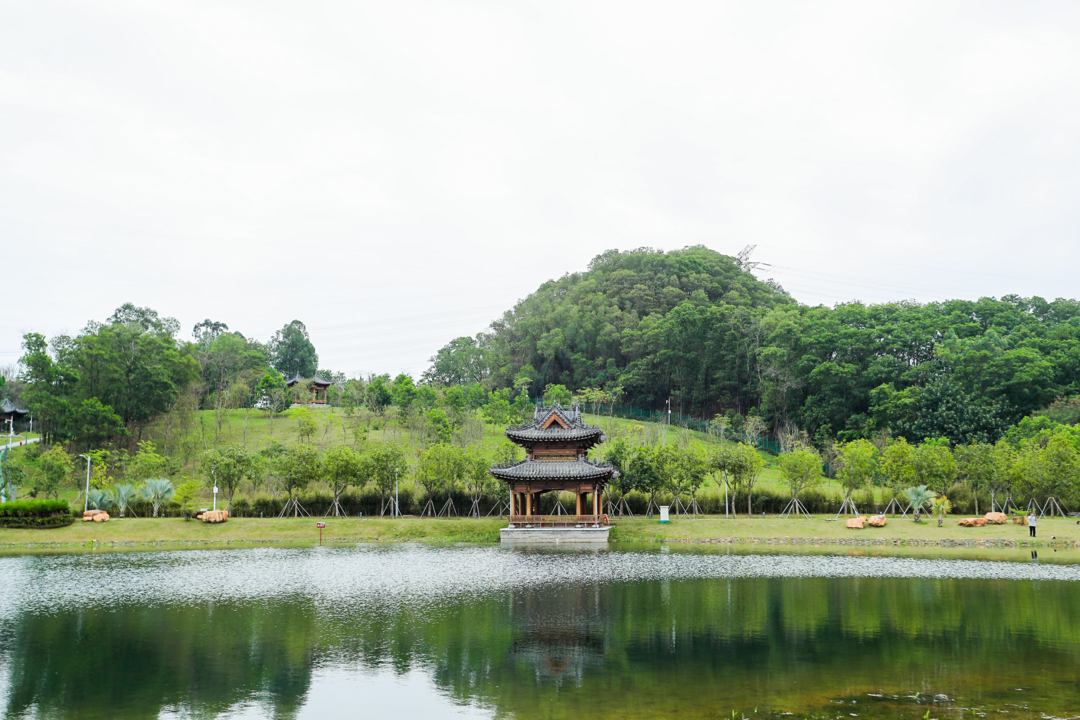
35	514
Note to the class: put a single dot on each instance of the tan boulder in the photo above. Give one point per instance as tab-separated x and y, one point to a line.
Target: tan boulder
972	522
996	518
1019	520
214	516
877	520
101	517
857	523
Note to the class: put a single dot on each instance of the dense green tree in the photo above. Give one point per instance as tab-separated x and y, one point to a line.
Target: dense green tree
291	351
691	326
462	361
54	470
403	391
898	465
935	465
228	466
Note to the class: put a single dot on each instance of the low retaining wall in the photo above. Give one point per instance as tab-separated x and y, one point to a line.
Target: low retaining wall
555	535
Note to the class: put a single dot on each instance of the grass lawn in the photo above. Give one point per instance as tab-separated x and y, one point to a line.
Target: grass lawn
826	529
286	530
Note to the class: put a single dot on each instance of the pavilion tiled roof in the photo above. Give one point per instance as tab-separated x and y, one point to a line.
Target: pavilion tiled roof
9	408
575	431
555	470
315	379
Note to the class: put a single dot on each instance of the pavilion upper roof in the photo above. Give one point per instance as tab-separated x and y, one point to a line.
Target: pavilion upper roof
556	424
315	380
9	408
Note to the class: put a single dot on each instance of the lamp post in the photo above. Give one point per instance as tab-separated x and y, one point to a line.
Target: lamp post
86	499
397	504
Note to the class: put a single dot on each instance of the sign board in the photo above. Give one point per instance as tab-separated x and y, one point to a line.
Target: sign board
320	525
215	490
664	514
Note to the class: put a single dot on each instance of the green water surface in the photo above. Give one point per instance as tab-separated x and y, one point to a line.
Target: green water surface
465	632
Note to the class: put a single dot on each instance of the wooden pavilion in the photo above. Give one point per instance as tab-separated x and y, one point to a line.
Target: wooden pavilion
557	442
319	388
10	411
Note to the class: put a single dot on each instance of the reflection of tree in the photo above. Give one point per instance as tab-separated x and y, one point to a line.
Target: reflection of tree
609	650
131	663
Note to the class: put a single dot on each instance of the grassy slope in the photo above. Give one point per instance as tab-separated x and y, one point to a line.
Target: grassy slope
146	530
260	432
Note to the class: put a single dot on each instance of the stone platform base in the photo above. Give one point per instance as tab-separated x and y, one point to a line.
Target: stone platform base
555	534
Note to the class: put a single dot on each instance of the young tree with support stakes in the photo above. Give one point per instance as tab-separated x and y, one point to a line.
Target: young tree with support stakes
385	464
801	469
227	467
748	466
296	469
976	467
858	464
898	464
1000	480
432	468
724	462
477	476
690	468
342	467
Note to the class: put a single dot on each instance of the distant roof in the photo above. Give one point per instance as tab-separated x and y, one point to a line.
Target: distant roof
555	470
315	380
555	424
9	408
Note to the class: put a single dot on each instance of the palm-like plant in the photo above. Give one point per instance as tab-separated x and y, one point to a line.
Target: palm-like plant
919	497
158	492
125	496
941	506
98	499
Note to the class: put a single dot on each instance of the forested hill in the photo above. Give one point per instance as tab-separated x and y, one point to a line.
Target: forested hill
691	325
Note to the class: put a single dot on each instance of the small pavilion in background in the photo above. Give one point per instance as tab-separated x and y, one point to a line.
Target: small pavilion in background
318	385
557	443
10	411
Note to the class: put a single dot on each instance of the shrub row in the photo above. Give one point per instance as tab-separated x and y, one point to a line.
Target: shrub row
35	514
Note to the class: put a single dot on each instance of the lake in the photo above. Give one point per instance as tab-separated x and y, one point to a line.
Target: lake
407	631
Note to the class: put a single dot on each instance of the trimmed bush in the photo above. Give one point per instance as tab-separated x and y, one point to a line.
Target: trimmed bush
35	514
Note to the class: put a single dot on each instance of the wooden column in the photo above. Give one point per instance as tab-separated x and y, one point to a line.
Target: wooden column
528	504
579	504
594	494
599	499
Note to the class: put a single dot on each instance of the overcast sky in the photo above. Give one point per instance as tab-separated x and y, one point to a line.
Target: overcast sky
396	174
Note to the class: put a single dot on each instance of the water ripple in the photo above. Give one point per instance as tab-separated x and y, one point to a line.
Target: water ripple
411	575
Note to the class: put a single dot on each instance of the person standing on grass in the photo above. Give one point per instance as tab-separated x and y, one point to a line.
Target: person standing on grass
1031	524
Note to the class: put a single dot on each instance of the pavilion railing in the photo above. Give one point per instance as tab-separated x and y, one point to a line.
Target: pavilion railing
558	520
